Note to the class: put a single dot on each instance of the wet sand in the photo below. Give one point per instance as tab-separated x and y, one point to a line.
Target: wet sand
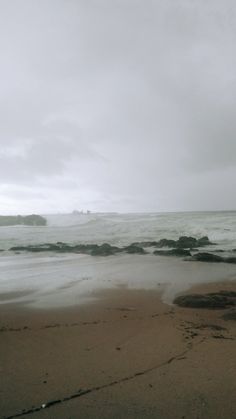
124	355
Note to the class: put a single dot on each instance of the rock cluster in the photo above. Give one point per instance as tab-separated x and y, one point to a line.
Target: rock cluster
184	242
183	247
213	300
104	249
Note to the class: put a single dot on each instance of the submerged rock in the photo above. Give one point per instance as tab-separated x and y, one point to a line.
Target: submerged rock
172	252
230	260
214	300
211	257
184	242
104	250
132	249
46	247
145	244
207	257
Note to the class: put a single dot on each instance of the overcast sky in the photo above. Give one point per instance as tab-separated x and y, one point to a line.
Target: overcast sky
117	105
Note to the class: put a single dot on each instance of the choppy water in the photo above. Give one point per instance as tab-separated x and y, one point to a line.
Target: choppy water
68	279
122	229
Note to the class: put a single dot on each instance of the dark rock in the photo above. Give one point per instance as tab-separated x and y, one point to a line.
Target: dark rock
166	243
207	257
91	249
217	300
172	252
211	257
30	220
231	315
134	249
20	248
85	248
37	249
231	294
47	247
230	260
145	244
104	250
203	241
186	242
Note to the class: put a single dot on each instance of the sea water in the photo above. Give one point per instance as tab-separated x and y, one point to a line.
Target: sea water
51	279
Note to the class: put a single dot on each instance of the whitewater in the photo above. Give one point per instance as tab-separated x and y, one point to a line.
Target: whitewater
51	279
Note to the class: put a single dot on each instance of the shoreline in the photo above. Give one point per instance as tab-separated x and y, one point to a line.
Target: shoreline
126	354
45	282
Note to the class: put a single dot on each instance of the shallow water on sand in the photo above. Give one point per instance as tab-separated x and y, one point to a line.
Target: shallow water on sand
74	279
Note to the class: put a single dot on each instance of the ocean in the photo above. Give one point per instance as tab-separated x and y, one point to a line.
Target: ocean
49	279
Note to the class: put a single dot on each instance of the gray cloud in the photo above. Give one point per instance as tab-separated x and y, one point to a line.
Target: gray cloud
120	105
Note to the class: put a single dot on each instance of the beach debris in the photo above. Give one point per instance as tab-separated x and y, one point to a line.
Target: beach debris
214	327
222	337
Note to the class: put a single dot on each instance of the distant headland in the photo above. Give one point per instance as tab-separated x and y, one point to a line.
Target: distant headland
27	220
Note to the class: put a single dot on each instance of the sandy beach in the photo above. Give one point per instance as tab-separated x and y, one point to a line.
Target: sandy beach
124	355
117	209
